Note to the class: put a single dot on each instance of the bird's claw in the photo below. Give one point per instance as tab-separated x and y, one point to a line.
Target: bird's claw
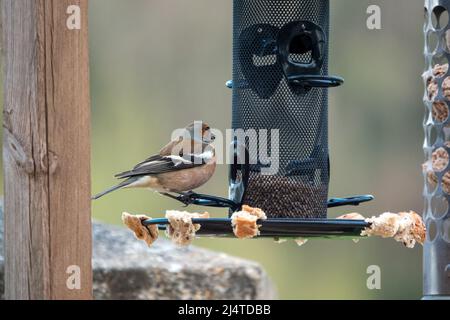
186	198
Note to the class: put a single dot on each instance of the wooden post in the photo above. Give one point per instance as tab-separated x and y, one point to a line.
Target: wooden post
46	150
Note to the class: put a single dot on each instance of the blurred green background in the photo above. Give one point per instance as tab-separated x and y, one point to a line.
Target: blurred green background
157	65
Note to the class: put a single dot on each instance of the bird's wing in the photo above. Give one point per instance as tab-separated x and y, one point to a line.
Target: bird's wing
163	164
149	159
165	151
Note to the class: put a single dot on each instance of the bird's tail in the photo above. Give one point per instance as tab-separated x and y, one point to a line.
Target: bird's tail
121	185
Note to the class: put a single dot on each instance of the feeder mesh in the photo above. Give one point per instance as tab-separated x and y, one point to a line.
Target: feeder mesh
263	99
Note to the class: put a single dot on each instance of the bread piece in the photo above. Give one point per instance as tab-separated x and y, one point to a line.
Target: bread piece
412	229
301	241
405	227
351	216
181	230
385	226
147	233
255	212
432	86
244	222
440	70
440	111
279	240
244	225
439	159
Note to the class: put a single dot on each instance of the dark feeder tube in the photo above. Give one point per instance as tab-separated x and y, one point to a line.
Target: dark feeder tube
280	91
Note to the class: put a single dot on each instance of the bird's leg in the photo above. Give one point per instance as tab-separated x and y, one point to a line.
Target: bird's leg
169	195
184	197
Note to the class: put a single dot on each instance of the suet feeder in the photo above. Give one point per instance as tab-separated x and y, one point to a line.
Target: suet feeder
280	82
436	126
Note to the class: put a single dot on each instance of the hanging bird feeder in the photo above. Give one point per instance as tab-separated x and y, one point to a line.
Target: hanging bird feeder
280	82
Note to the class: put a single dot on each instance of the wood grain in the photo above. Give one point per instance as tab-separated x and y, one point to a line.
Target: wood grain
46	150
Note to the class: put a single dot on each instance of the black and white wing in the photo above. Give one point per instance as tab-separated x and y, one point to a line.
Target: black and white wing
162	164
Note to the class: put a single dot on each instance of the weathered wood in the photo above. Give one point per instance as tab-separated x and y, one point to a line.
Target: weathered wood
46	150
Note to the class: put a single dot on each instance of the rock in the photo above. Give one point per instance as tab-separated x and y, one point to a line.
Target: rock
125	268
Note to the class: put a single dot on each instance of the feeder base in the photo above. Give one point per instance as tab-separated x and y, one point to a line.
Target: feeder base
278	228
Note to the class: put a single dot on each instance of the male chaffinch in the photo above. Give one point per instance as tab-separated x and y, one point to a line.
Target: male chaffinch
184	164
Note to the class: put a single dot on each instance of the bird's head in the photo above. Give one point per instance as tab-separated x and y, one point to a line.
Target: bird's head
200	131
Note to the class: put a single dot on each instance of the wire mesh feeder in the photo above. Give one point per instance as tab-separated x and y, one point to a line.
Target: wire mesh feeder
280	82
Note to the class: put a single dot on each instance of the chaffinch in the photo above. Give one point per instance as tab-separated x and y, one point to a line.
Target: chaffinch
184	164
